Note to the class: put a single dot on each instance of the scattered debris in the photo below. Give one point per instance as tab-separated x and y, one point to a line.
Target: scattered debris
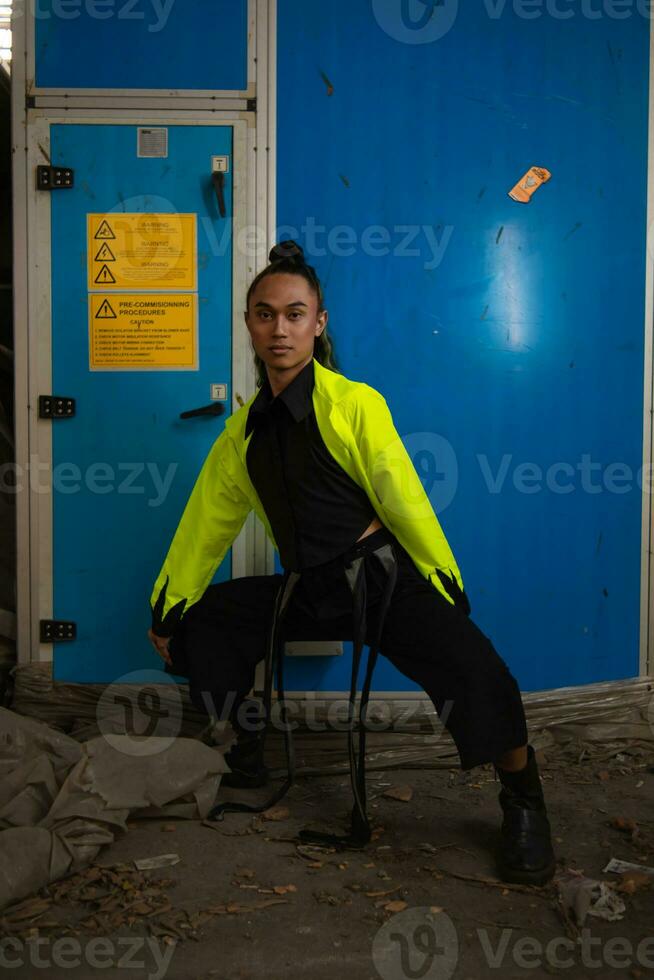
162	861
391	891
489	882
96	901
310	852
618	867
234	908
626	825
529	184
586	896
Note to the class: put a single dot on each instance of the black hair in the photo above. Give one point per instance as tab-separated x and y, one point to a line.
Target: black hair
288	257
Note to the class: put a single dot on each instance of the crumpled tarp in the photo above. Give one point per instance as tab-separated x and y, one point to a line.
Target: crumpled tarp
61	801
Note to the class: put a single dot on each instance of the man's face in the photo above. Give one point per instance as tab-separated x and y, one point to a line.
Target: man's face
283	321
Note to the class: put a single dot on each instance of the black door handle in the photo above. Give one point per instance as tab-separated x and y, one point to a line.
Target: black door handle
218	181
214	409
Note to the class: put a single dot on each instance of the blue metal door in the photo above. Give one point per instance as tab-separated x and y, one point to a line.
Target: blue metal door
124	465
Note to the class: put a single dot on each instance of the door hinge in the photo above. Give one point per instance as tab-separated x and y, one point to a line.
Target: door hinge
56	407
252	105
53	178
57	630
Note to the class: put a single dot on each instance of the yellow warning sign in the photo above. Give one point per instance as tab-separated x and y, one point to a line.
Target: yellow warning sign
137	331
142	251
105	276
103	230
104	254
105	311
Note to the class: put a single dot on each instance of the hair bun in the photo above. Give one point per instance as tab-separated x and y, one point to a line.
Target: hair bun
286	250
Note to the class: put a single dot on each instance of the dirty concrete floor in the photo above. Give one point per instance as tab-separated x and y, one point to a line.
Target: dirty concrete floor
335	919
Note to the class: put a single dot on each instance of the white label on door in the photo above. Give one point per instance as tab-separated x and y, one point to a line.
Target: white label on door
218	393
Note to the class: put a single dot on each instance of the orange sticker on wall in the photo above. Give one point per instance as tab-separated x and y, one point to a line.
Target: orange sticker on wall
529	184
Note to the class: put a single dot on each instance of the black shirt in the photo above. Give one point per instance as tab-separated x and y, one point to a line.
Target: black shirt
316	511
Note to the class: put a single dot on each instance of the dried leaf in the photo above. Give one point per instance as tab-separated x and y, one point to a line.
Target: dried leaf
633	881
284	889
276	813
396	906
403	793
625	824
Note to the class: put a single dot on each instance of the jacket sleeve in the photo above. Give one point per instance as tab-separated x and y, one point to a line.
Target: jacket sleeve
213	516
405	507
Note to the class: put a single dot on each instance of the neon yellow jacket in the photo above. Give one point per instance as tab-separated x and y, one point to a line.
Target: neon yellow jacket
358	430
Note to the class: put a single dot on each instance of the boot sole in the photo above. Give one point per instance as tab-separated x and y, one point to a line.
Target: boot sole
515	876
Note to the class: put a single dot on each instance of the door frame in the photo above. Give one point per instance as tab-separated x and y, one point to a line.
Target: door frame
36	601
144	98
40	352
647	536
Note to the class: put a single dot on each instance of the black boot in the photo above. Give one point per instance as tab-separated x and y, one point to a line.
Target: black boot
245	759
525	855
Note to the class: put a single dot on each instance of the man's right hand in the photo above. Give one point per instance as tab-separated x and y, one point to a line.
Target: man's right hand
160	643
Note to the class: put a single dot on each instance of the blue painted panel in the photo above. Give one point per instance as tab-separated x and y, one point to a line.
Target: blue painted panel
141	44
501	334
112	527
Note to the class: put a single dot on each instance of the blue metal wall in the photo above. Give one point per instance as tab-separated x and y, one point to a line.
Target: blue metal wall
524	344
501	334
141	44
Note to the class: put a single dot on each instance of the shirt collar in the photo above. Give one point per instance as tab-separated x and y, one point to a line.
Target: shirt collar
297	397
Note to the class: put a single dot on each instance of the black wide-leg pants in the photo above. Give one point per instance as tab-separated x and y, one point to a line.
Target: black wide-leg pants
223	637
